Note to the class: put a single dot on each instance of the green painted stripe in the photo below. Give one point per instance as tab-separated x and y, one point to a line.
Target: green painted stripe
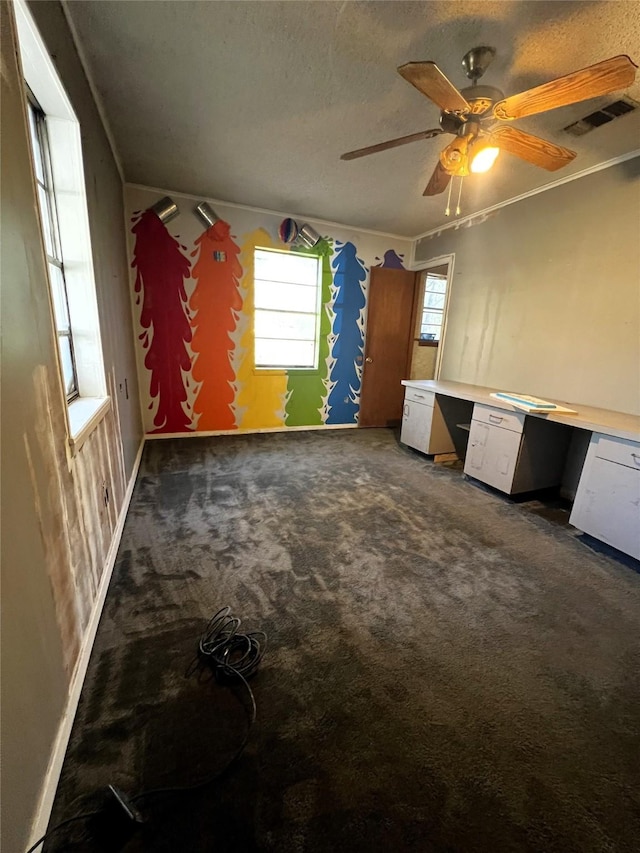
307	390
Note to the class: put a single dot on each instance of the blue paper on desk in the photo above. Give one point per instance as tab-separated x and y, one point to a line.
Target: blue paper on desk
530	404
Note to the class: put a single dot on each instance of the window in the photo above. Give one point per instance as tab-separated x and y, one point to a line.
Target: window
286	309
56	144
435	293
51	234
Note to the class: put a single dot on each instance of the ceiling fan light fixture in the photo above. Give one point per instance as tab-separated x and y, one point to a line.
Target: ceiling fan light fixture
483	158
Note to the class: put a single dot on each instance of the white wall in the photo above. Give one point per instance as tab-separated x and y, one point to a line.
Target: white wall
546	293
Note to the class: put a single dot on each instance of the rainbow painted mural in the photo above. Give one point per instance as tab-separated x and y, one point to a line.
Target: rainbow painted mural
196	329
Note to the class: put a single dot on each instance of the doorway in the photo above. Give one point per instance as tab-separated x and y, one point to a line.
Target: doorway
431	318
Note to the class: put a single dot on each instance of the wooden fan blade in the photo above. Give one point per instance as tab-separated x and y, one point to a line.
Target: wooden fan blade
392	143
531	148
438	182
599	79
428	79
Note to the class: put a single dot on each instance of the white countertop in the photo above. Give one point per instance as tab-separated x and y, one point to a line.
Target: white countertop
617	424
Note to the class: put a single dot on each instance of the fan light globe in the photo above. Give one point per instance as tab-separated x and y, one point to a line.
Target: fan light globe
484	159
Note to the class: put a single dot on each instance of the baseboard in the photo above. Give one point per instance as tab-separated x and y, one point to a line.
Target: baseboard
208	433
50	784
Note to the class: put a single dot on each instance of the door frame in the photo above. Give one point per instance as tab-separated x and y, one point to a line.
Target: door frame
424	266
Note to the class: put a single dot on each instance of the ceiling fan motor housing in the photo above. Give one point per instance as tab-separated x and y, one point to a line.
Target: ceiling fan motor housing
450	122
482	98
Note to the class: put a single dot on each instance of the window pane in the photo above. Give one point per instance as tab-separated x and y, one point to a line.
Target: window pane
45	212
434	300
35	145
432	318
436	285
286	266
430	333
285	353
286	293
285	297
59	298
278	324
68	376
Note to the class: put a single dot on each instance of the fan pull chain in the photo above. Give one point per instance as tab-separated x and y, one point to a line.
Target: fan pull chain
447	211
458	210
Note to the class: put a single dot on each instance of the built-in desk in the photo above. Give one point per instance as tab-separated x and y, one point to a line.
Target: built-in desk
603	421
516	451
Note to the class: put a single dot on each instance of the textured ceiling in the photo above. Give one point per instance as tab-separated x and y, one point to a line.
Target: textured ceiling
253	102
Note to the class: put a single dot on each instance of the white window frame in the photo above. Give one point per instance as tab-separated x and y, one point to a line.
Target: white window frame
53	251
427	309
310	368
67	175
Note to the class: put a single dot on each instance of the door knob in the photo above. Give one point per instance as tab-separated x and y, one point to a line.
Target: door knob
368	360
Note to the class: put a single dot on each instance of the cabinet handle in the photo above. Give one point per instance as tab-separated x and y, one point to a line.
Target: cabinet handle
418	395
494	419
635	456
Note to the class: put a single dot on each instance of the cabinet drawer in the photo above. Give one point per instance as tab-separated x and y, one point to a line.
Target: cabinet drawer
618	450
417	395
499	417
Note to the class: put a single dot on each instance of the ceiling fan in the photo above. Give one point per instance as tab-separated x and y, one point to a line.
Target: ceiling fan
473	114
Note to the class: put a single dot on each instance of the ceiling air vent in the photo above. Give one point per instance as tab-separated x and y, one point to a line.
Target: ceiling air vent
602	116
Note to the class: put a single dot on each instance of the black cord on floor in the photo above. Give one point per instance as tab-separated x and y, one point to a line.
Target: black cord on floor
82	816
233	657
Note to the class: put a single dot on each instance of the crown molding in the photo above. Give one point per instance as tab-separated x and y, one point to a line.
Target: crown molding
265	210
479	214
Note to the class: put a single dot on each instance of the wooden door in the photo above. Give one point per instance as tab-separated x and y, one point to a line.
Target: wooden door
390	307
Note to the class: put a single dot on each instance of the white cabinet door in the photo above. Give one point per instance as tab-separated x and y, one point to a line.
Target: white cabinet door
607	504
416	425
492	455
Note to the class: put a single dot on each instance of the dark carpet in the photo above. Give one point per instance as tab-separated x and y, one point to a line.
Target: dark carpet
446	670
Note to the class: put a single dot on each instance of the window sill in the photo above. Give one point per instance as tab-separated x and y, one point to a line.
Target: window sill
85	414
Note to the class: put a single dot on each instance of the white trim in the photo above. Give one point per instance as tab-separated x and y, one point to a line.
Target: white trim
412	255
459	223
52	776
432	262
85	413
438	261
267	211
208	433
92	87
451	263
37	64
